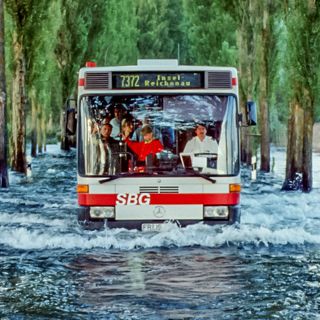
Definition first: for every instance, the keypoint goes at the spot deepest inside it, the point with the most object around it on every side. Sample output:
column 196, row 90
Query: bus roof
column 158, row 65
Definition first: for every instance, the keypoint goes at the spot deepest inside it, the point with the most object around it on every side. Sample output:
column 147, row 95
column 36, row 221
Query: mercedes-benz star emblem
column 159, row 211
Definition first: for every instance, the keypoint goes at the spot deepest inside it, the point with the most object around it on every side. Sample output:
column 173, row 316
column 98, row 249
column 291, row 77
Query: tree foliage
column 211, row 33
column 277, row 57
column 161, row 29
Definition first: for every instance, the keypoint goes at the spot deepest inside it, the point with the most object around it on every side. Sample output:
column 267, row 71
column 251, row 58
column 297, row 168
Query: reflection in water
column 174, row 282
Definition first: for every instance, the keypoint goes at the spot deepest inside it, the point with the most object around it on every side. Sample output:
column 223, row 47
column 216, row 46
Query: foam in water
column 269, row 217
column 197, row 235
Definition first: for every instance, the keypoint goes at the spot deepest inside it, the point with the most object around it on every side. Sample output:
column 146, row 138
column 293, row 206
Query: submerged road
column 267, row 268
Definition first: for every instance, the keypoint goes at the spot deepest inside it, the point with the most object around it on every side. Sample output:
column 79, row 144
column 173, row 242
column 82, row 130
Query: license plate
column 157, row 227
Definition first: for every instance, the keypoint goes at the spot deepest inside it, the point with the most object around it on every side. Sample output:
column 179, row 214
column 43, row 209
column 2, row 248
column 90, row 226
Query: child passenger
column 149, row 145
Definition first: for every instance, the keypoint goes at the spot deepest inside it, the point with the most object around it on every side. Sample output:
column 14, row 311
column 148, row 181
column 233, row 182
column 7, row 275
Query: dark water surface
column 267, row 268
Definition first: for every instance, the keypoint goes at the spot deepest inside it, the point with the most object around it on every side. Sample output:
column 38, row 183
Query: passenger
column 127, row 126
column 108, row 147
column 137, row 133
column 106, row 132
column 116, row 121
column 201, row 143
column 95, row 127
column 149, row 145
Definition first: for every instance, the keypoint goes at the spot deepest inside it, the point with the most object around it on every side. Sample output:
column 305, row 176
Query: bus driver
column 201, row 143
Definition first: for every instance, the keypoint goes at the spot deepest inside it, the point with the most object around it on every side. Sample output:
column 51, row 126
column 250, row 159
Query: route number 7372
column 130, row 81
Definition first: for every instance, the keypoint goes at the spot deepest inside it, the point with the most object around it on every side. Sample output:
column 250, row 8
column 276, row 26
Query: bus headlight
column 102, row 212
column 215, row 212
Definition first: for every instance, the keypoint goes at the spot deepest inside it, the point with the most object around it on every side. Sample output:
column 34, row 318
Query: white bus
column 186, row 172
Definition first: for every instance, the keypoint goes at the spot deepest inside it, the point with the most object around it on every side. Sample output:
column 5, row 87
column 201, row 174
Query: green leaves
column 211, row 34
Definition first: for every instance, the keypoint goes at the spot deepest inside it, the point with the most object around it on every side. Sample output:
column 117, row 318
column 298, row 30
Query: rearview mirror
column 251, row 113
column 71, row 123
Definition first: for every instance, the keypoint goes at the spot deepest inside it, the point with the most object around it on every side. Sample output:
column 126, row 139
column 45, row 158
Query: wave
column 30, row 220
column 197, row 235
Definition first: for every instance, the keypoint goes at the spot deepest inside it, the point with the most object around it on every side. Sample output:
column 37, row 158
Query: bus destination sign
column 157, row 80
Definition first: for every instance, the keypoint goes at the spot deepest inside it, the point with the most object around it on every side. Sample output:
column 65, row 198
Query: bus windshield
column 169, row 135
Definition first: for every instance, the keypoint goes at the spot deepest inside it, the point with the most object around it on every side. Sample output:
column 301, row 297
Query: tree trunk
column 4, row 180
column 39, row 129
column 18, row 108
column 44, row 132
column 263, row 96
column 34, row 122
column 307, row 151
column 243, row 83
column 293, row 179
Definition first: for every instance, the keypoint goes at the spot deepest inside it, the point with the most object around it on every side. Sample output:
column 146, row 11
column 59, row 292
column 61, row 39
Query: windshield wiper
column 110, row 178
column 125, row 175
column 202, row 176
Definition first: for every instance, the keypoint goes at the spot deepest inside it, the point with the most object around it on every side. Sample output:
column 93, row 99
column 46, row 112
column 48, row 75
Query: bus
column 181, row 180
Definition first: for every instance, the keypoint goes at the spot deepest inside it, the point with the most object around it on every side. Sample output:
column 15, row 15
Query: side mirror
column 251, row 113
column 71, row 123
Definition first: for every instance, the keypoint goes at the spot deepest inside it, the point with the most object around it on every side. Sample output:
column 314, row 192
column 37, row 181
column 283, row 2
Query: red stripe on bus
column 86, row 199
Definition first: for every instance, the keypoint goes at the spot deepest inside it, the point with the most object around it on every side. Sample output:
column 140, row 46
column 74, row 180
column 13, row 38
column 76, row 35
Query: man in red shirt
column 149, row 145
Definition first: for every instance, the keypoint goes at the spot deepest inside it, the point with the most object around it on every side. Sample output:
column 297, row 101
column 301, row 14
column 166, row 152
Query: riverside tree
column 42, row 70
column 242, row 12
column 4, row 181
column 19, row 11
column 303, row 55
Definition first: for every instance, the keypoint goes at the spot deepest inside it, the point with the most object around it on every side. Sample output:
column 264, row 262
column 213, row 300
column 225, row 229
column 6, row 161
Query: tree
column 33, row 43
column 115, row 43
column 4, row 181
column 160, row 25
column 263, row 63
column 266, row 19
column 42, row 69
column 19, row 11
column 303, row 28
column 242, row 11
column 211, row 33
column 72, row 42
column 304, row 81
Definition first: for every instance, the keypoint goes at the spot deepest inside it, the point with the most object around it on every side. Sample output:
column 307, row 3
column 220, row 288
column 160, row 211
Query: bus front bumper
column 87, row 222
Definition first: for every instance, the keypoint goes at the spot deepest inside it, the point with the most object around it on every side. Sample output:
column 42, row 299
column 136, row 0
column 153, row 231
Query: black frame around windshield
column 173, row 118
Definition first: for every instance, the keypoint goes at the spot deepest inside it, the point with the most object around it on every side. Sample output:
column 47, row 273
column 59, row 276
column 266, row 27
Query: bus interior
column 173, row 118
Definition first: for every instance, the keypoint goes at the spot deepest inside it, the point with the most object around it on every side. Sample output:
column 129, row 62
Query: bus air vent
column 169, row 189
column 149, row 189
column 219, row 80
column 161, row 189
column 97, row 80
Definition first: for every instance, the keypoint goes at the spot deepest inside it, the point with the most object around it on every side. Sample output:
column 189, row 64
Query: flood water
column 266, row 268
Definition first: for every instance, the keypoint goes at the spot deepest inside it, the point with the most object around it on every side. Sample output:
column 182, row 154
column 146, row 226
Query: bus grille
column 219, row 80
column 159, row 189
column 97, row 80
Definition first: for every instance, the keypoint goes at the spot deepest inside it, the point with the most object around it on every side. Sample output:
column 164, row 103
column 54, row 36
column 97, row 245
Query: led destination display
column 157, row 80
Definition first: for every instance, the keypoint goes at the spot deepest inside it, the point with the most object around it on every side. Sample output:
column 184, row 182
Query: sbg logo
column 133, row 199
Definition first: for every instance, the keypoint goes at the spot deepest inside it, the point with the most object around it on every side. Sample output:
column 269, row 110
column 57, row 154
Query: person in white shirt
column 201, row 143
